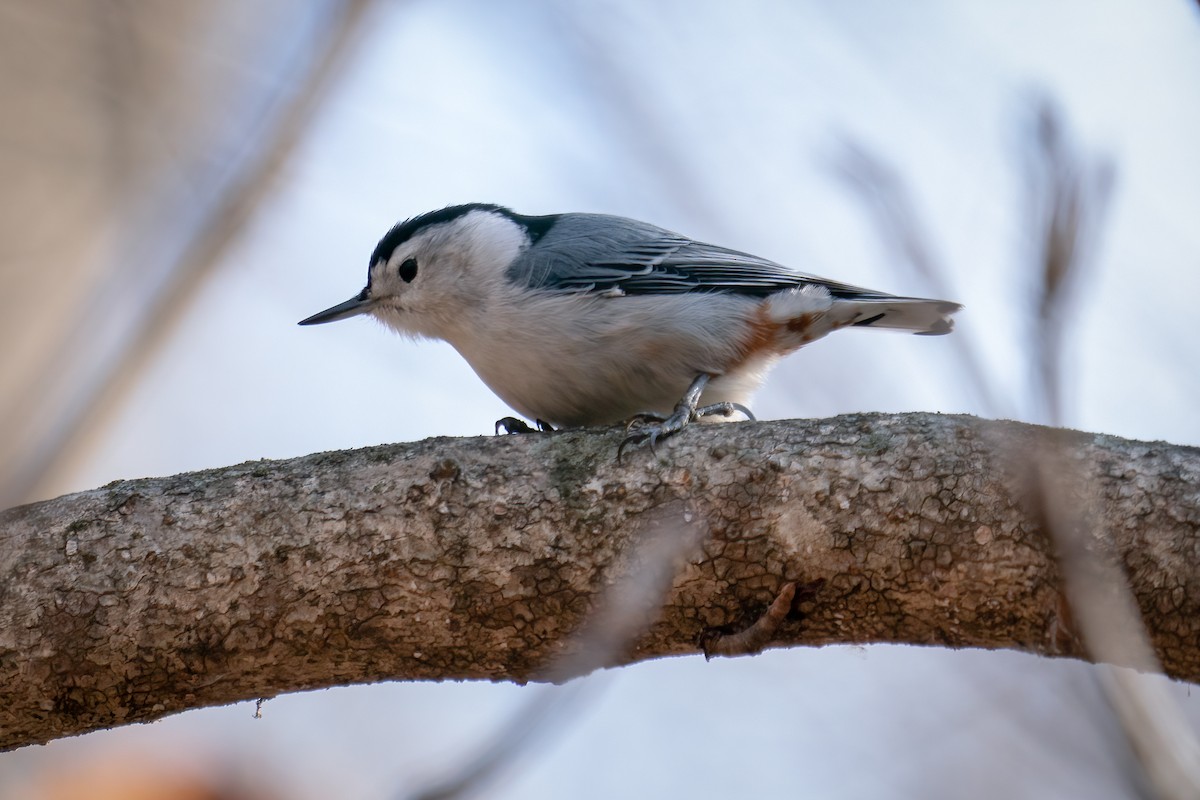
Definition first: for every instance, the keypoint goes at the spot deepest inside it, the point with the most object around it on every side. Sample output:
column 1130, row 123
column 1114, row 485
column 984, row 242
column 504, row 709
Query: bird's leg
column 514, row 425
column 688, row 409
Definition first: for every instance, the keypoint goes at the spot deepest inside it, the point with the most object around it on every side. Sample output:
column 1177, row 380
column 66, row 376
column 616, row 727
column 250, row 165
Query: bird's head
column 431, row 272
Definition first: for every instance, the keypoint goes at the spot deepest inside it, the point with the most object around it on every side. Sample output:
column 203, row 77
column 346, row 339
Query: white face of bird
column 429, row 275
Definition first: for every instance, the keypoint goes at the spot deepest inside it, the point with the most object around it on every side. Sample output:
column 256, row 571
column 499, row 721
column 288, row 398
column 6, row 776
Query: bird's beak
column 359, row 304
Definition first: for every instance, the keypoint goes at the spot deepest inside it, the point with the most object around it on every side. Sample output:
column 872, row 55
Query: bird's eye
column 408, row 270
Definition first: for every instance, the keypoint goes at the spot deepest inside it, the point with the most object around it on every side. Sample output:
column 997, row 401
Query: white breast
column 573, row 359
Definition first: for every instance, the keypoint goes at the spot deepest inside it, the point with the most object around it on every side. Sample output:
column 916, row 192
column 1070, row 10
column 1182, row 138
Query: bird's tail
column 919, row 315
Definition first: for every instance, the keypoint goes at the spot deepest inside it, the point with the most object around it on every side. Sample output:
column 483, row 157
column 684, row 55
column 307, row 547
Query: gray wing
column 594, row 253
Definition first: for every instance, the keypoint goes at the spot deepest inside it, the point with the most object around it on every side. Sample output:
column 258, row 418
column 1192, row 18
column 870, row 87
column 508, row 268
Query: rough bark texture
column 479, row 558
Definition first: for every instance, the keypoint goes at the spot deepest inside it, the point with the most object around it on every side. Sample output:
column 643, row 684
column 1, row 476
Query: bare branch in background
column 481, row 559
column 161, row 264
column 1069, row 193
column 885, row 196
column 537, row 717
column 668, row 536
column 622, row 100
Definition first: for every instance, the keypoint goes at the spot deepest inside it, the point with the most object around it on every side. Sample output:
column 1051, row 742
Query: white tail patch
column 807, row 313
column 927, row 317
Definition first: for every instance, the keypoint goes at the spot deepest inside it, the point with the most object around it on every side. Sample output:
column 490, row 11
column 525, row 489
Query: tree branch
column 479, row 558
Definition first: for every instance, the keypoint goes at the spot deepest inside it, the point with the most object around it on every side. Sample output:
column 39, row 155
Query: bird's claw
column 642, row 418
column 513, row 425
column 724, row 410
column 658, row 426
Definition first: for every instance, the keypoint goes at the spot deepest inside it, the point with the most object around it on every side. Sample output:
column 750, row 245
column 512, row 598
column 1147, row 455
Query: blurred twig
column 113, row 339
column 533, row 720
column 1069, row 193
column 668, row 536
column 884, row 194
column 617, row 91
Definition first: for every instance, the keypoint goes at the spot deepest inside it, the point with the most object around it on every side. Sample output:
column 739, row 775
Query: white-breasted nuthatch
column 589, row 319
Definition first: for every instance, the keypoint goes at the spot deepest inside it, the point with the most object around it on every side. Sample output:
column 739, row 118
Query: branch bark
column 479, row 559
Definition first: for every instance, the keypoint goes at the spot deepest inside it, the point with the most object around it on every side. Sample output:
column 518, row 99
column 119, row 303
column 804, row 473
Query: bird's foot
column 654, row 427
column 514, row 425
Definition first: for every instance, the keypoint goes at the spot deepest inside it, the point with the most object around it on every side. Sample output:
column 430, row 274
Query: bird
column 582, row 319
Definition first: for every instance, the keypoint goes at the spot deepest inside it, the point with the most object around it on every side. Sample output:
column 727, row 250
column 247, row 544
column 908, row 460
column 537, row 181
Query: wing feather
column 597, row 254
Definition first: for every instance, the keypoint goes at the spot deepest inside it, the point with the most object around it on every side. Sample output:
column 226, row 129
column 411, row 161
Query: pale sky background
column 720, row 121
